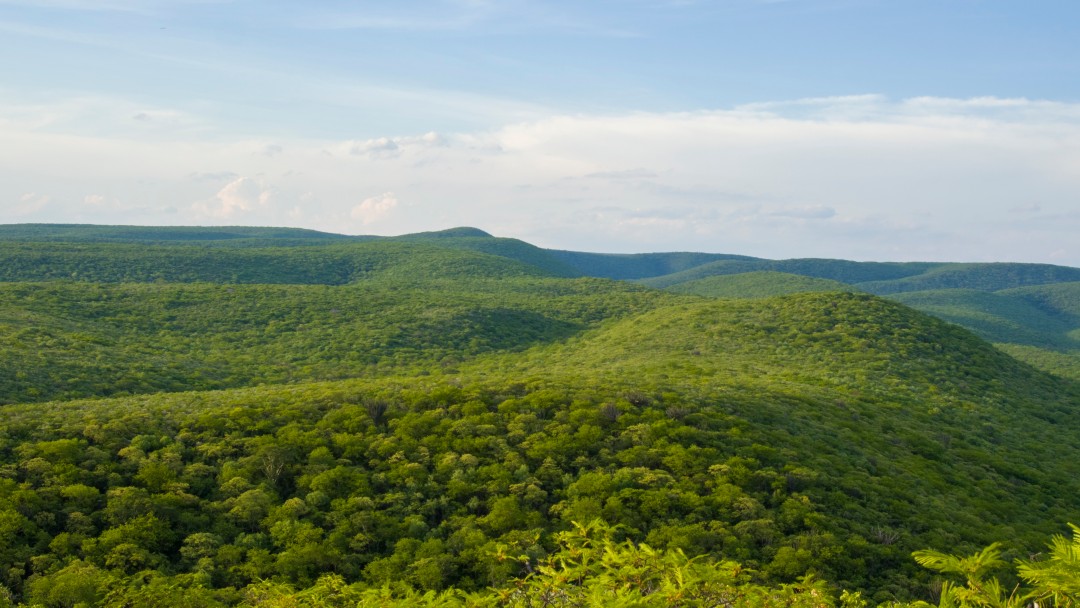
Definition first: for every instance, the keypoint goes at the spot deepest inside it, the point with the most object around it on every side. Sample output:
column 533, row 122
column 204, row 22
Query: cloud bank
column 860, row 177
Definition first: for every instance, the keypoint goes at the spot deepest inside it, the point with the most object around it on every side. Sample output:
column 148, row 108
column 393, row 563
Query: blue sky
column 863, row 129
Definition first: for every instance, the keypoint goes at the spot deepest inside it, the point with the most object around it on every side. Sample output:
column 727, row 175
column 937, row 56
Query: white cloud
column 29, row 203
column 393, row 147
column 100, row 115
column 860, row 176
column 374, row 208
column 238, row 197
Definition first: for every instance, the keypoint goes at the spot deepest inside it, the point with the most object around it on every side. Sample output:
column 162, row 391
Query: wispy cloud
column 393, row 147
column 906, row 179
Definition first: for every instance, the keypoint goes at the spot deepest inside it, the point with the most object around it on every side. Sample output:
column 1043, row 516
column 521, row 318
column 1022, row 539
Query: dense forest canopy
column 225, row 416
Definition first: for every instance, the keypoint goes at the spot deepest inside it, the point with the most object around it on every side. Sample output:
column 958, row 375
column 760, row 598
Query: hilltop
column 291, row 256
column 430, row 411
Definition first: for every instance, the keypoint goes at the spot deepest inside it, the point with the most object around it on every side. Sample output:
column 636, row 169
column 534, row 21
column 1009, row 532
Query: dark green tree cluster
column 431, row 420
column 439, row 484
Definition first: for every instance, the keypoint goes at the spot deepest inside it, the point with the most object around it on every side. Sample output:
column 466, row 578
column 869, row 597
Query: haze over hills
column 189, row 412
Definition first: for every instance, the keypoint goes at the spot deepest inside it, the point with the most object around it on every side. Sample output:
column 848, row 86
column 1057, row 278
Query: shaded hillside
column 884, row 278
column 758, row 284
column 1039, row 325
column 232, row 236
column 830, row 339
column 819, row 433
column 908, row 409
column 998, row 317
column 843, row 271
column 630, row 266
column 75, row 339
column 481, row 403
column 982, row 277
column 327, row 265
column 1062, row 299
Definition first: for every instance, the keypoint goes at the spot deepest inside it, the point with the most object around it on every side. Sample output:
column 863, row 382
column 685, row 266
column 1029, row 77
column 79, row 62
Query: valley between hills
column 282, row 417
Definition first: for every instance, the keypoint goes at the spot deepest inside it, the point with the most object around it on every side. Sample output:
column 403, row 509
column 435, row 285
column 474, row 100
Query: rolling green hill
column 989, row 299
column 326, row 265
column 637, row 265
column 826, row 433
column 513, row 249
column 885, row 278
column 76, row 339
column 997, row 316
column 1039, row 325
column 1062, row 299
column 843, row 271
column 196, row 423
column 758, row 284
column 232, row 236
column 982, row 277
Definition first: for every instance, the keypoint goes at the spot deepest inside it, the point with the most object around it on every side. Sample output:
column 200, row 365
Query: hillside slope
column 632, row 266
column 232, row 236
column 757, row 284
column 1039, row 325
column 982, row 277
column 325, row 265
column 844, row 271
column 825, row 433
column 429, row 410
column 76, row 339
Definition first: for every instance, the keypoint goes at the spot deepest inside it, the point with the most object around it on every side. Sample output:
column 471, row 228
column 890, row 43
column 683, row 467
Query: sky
column 859, row 129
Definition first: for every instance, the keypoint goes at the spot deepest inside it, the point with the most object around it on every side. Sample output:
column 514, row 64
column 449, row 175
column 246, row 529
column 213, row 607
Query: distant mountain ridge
column 979, row 296
column 661, row 270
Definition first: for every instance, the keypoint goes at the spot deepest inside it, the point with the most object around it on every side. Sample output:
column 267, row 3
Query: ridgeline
column 219, row 415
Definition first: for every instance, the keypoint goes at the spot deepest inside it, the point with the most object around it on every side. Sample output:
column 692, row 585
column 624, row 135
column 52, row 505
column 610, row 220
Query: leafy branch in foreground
column 1057, row 578
column 591, row 569
column 1055, row 581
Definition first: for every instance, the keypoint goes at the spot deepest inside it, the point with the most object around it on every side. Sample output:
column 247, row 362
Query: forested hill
column 189, row 422
column 1043, row 334
column 26, row 245
column 231, row 235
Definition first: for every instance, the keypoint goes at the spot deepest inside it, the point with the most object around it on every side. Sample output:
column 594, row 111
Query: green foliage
column 1038, row 325
column 759, row 284
column 998, row 317
column 231, row 236
column 763, row 451
column 324, row 265
column 512, row 249
column 1054, row 580
column 422, row 420
column 843, row 271
column 982, row 277
column 590, row 568
column 633, row 266
column 885, row 278
column 70, row 340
